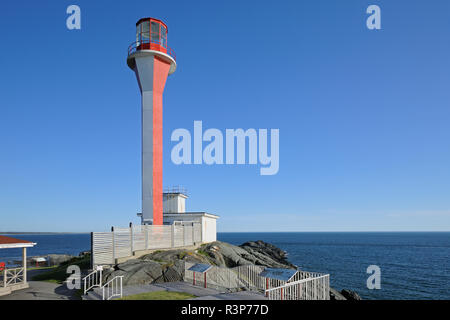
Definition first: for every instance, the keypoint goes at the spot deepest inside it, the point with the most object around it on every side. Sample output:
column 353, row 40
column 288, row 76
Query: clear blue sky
column 363, row 115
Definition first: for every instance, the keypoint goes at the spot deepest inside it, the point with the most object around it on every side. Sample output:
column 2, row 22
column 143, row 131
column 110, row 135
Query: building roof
column 154, row 19
column 9, row 242
column 187, row 214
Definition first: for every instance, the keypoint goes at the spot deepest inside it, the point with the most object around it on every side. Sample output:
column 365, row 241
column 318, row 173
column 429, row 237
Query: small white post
column 201, row 230
column 173, row 235
column 131, row 239
column 146, row 236
column 113, row 247
column 24, row 259
column 121, row 287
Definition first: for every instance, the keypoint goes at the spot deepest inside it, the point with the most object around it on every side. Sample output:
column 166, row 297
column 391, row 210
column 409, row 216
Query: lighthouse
column 152, row 61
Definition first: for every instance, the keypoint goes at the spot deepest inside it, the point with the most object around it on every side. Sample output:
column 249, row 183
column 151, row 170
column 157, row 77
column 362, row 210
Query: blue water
column 414, row 265
column 71, row 244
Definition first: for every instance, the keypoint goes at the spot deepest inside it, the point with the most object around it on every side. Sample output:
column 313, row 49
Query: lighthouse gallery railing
column 144, row 44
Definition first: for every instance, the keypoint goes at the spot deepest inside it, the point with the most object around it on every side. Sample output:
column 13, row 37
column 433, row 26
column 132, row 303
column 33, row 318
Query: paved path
column 41, row 290
column 199, row 292
column 241, row 295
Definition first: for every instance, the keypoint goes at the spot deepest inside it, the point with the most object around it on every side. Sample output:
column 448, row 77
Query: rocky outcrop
column 57, row 259
column 336, row 295
column 350, row 295
column 258, row 253
column 168, row 265
column 84, row 253
column 137, row 271
column 49, row 260
column 267, row 254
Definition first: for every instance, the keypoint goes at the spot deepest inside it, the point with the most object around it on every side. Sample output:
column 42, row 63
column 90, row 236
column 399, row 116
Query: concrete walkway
column 200, row 292
column 41, row 290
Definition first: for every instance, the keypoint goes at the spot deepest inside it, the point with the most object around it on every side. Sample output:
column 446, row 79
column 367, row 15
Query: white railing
column 113, row 288
column 123, row 242
column 93, row 279
column 317, row 288
column 228, row 279
column 12, row 277
column 303, row 286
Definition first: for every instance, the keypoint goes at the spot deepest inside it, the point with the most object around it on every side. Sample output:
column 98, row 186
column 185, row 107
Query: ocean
column 414, row 265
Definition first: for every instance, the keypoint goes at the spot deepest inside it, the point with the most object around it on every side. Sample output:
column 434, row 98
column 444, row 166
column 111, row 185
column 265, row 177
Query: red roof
column 9, row 240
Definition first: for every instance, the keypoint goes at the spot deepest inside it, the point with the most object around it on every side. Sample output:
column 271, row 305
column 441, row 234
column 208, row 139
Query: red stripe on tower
column 160, row 73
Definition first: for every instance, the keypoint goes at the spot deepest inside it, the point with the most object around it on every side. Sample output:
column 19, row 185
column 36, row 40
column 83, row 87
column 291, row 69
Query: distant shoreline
column 17, row 233
column 286, row 232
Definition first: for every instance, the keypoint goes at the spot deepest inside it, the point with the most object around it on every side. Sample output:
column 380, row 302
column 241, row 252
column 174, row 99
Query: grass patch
column 40, row 268
column 203, row 253
column 78, row 294
column 59, row 274
column 182, row 255
column 159, row 295
column 52, row 281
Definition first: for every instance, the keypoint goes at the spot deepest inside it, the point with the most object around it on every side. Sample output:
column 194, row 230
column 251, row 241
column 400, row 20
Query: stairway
column 94, row 294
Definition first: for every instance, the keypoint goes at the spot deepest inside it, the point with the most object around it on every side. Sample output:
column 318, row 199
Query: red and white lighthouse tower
column 152, row 61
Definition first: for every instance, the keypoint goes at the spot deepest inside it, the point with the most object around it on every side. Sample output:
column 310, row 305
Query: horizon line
column 329, row 231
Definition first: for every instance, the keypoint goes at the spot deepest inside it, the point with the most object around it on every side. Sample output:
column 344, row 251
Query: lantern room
column 151, row 34
column 151, row 40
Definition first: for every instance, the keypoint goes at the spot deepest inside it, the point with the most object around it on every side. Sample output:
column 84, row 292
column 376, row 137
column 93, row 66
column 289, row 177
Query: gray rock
column 136, row 271
column 57, row 259
column 51, row 260
column 268, row 253
column 336, row 295
column 259, row 253
column 350, row 295
column 84, row 253
column 168, row 265
column 171, row 274
column 226, row 255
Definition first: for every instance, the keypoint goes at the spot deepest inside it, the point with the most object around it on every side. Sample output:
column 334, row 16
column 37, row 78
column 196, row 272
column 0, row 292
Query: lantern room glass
column 151, row 32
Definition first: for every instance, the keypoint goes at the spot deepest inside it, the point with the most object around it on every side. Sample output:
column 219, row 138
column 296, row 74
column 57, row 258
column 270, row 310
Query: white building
column 174, row 211
column 207, row 220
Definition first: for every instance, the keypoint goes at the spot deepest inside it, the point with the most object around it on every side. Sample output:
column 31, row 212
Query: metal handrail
column 134, row 47
column 111, row 288
column 313, row 288
column 175, row 189
column 93, row 279
column 288, row 284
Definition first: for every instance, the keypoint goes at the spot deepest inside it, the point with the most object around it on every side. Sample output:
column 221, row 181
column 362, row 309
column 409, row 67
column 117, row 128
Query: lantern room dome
column 151, row 39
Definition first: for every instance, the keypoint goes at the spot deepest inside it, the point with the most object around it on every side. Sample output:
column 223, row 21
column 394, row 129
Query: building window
column 163, row 36
column 155, row 32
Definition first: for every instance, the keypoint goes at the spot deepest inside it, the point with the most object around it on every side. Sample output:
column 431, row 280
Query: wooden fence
column 106, row 247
